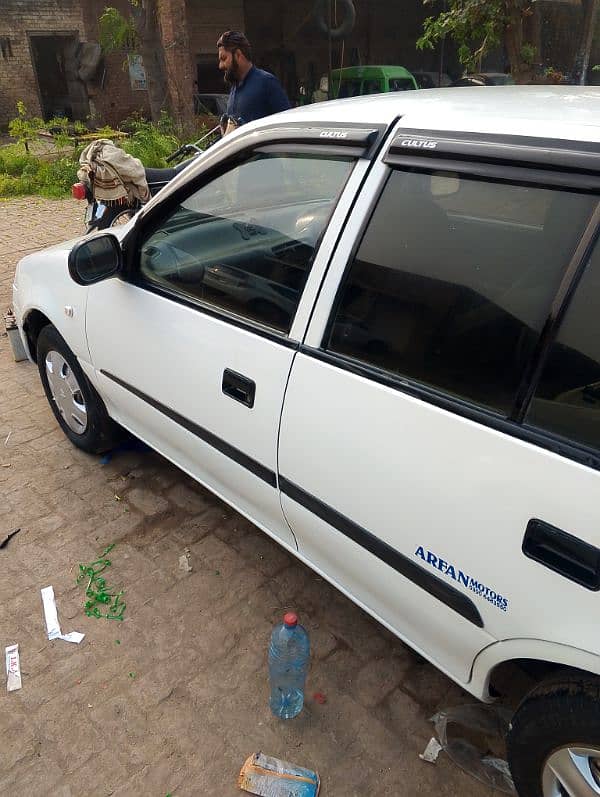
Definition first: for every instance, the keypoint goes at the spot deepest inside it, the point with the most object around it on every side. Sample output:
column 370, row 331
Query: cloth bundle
column 116, row 177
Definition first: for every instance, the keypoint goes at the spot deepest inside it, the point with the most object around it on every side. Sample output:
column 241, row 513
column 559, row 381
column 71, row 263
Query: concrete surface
column 173, row 700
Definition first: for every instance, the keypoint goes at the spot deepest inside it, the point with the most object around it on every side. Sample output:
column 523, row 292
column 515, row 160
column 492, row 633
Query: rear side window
column 453, row 281
column 567, row 400
column 401, row 84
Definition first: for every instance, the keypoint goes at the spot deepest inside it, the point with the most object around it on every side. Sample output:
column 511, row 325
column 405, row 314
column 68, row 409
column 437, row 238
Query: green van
column 353, row 81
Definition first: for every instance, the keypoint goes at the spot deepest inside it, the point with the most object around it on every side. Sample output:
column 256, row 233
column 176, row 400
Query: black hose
column 344, row 28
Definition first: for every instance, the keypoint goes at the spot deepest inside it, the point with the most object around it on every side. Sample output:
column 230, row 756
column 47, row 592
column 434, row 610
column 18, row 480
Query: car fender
column 539, row 649
column 42, row 283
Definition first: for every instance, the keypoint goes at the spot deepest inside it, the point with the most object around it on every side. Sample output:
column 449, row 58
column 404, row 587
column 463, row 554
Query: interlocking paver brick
column 196, row 702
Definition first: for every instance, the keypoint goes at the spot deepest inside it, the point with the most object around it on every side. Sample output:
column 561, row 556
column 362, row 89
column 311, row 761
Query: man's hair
column 233, row 40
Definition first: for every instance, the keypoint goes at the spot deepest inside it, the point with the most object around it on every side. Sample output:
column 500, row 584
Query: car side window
column 245, row 241
column 567, row 399
column 453, row 281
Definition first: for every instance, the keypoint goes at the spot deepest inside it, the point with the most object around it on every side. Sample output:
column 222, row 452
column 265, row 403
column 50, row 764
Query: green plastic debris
column 99, row 596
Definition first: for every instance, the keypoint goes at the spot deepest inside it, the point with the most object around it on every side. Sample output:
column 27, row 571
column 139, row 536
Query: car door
column 192, row 350
column 414, row 481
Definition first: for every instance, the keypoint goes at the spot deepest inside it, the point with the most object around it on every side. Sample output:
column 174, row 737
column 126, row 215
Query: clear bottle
column 289, row 656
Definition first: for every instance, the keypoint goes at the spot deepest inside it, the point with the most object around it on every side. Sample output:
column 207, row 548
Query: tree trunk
column 521, row 71
column 150, row 46
column 582, row 59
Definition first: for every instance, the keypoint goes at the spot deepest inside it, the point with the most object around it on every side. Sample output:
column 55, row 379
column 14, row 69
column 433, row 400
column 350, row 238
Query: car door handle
column 567, row 555
column 239, row 387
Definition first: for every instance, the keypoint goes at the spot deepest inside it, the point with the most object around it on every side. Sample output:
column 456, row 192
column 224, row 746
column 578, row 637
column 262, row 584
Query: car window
column 401, row 84
column 453, row 281
column 372, row 87
column 245, row 241
column 349, row 88
column 567, row 400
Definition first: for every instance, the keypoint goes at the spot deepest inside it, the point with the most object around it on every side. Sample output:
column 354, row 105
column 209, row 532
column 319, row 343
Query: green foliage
column 116, row 31
column 477, row 26
column 22, row 174
column 24, row 127
column 528, row 53
column 149, row 142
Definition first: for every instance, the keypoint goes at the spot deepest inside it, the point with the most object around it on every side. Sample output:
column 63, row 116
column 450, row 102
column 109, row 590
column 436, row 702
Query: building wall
column 111, row 93
column 17, row 75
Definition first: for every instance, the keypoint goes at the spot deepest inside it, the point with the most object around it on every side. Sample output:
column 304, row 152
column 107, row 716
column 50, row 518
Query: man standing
column 254, row 92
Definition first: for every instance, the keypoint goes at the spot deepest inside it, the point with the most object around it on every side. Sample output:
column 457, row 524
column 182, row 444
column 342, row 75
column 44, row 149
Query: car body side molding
column 257, row 468
column 446, row 593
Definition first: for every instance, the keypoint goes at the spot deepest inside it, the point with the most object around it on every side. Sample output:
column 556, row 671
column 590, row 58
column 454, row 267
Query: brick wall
column 17, row 19
column 111, row 93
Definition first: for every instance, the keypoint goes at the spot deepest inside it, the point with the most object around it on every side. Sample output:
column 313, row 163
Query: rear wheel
column 76, row 405
column 554, row 739
column 124, row 217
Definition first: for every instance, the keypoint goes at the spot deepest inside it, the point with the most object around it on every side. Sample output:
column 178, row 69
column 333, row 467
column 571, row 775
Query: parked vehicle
column 371, row 327
column 100, row 216
column 431, row 80
column 485, row 79
column 353, row 81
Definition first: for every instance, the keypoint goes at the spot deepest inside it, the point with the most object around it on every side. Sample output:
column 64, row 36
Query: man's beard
column 231, row 75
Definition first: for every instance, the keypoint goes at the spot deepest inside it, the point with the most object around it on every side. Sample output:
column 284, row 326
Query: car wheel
column 124, row 217
column 77, row 406
column 554, row 739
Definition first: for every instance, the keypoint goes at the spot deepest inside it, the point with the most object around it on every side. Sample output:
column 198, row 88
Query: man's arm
column 278, row 100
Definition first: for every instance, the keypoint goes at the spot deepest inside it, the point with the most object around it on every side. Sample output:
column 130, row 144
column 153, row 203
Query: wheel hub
column 572, row 772
column 66, row 392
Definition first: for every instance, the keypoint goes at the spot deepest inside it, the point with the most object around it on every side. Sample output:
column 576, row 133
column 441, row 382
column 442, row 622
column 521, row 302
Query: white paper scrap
column 431, row 752
column 72, row 636
column 51, row 615
column 13, row 668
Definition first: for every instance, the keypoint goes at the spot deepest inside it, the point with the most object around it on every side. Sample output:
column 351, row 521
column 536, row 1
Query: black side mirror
column 95, row 259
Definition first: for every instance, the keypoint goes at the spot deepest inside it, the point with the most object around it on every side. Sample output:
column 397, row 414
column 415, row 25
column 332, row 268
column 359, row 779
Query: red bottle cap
column 290, row 619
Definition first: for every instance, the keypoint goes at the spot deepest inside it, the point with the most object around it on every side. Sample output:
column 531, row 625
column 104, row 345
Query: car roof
column 564, row 112
column 371, row 70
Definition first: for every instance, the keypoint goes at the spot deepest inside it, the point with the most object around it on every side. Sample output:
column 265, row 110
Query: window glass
column 567, row 400
column 349, row 88
column 372, row 87
column 454, row 279
column 245, row 241
column 401, row 84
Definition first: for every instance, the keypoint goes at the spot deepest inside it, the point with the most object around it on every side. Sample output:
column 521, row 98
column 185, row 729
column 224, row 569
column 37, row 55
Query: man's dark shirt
column 258, row 95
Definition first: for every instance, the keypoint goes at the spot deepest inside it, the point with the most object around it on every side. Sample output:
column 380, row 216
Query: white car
column 371, row 327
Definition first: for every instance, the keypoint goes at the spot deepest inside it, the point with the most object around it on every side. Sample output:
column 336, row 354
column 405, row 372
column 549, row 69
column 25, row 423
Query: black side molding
column 445, row 593
column 257, row 468
column 563, row 553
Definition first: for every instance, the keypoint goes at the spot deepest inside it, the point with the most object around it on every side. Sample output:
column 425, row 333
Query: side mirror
column 95, row 259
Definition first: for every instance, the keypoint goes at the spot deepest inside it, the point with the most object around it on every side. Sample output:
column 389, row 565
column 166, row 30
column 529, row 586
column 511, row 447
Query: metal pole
column 329, row 24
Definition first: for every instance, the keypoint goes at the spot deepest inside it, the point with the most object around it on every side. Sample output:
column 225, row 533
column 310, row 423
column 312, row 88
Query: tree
column 139, row 34
column 478, row 26
column 582, row 58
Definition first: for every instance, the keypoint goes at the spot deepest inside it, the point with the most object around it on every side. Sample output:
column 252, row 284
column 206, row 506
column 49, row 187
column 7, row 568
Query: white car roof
column 565, row 112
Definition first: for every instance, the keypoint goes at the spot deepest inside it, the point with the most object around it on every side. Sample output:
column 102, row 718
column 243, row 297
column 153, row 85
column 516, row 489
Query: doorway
column 55, row 62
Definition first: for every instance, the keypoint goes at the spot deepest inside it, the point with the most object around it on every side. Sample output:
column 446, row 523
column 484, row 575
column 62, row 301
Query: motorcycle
column 99, row 216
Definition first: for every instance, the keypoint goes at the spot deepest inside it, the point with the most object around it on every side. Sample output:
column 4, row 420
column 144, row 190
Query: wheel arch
column 33, row 323
column 545, row 657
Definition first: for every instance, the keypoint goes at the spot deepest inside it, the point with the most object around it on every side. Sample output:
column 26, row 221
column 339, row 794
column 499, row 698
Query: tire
column 555, row 735
column 123, row 217
column 345, row 28
column 76, row 405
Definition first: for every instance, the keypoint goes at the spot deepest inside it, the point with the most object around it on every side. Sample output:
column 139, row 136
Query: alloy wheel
column 572, row 772
column 66, row 392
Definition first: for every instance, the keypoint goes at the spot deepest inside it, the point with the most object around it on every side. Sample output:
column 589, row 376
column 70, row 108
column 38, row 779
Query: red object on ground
column 290, row 619
column 320, row 698
column 78, row 191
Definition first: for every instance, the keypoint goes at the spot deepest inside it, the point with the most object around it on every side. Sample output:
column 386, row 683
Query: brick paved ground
column 175, row 698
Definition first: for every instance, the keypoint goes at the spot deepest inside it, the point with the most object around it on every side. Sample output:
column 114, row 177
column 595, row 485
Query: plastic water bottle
column 289, row 655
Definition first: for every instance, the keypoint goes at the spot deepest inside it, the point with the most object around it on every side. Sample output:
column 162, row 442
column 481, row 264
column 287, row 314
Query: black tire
column 100, row 433
column 123, row 217
column 345, row 28
column 560, row 713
